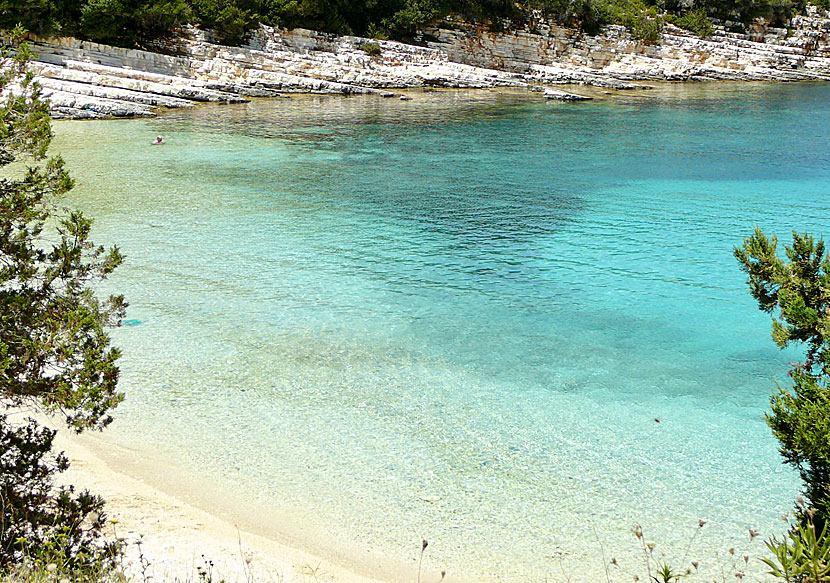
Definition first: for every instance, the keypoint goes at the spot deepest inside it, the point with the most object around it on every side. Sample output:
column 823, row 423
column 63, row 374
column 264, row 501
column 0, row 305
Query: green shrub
column 802, row 555
column 405, row 22
column 126, row 22
column 230, row 21
column 585, row 14
column 159, row 18
column 695, row 21
column 371, row 49
column 778, row 12
column 104, row 21
column 377, row 32
column 797, row 292
column 43, row 523
column 35, row 15
column 647, row 29
column 325, row 15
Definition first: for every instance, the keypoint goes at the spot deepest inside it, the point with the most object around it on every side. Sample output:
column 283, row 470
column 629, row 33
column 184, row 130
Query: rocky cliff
column 85, row 79
column 552, row 54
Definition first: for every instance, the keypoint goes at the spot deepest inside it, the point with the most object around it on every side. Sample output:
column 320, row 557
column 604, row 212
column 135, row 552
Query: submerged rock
column 564, row 95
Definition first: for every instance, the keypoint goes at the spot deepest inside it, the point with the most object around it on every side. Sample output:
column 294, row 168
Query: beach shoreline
column 169, row 537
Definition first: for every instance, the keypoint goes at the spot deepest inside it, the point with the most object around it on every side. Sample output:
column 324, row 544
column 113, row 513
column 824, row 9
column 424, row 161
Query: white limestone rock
column 89, row 79
column 73, row 105
column 113, row 93
column 564, row 95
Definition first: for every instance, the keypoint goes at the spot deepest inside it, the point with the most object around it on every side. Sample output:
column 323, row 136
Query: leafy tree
column 231, row 20
column 779, row 12
column 127, row 22
column 796, row 290
column 54, row 353
column 33, row 14
column 107, row 21
column 696, row 21
column 159, row 18
column 42, row 17
column 586, row 14
column 413, row 14
column 315, row 14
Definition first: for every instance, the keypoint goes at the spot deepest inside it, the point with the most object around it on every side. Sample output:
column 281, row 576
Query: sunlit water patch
column 512, row 328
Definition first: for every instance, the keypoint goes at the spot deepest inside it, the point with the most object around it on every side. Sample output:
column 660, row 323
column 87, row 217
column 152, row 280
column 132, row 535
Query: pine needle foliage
column 795, row 289
column 55, row 355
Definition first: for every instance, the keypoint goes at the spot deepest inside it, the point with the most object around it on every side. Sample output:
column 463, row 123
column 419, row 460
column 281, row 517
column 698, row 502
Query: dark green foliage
column 585, row 14
column 103, row 21
column 54, row 352
column 159, row 18
column 135, row 22
column 778, row 12
column 647, row 28
column 231, row 20
column 127, row 22
column 800, row 420
column 41, row 16
column 53, row 347
column 797, row 292
column 372, row 49
column 696, row 21
column 640, row 17
column 42, row 523
column 375, row 18
column 410, row 15
column 496, row 11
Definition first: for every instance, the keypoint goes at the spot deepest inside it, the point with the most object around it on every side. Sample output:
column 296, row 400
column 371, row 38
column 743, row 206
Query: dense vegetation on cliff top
column 133, row 22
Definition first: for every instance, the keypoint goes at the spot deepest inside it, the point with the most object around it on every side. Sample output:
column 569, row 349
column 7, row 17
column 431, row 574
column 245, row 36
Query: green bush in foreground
column 802, row 555
column 54, row 352
column 797, row 292
column 43, row 525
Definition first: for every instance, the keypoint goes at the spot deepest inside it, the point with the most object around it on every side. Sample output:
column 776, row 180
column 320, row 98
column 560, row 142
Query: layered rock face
column 85, row 79
column 552, row 54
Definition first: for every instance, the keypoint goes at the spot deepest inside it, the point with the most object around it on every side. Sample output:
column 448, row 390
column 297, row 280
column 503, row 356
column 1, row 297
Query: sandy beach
column 168, row 539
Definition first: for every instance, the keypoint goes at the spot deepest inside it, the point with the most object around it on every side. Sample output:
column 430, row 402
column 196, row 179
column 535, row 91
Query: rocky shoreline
column 89, row 80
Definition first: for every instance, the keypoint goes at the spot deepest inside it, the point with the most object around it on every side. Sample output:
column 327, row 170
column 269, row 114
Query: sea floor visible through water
column 510, row 327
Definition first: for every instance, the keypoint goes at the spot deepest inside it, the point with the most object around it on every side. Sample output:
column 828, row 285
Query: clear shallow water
column 457, row 318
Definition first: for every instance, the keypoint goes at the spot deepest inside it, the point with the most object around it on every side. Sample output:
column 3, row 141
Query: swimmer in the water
column 158, row 141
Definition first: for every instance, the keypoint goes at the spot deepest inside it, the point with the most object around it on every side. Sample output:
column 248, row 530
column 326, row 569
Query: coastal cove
column 512, row 328
column 85, row 79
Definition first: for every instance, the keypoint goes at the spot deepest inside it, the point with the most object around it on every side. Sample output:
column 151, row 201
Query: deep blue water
column 458, row 317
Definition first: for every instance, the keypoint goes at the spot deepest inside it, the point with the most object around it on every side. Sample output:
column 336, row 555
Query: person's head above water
column 158, row 140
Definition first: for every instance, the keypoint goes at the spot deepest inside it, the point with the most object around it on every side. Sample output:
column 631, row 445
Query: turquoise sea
column 512, row 328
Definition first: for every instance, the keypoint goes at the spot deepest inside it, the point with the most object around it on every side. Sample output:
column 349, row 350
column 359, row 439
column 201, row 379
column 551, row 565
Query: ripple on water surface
column 460, row 317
